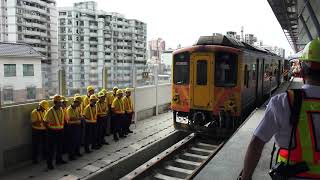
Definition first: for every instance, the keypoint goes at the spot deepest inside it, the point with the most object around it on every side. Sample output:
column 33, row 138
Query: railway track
column 182, row 161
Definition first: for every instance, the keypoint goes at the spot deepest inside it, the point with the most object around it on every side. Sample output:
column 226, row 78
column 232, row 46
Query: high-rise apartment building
column 250, row 39
column 90, row 39
column 33, row 22
column 233, row 34
column 156, row 48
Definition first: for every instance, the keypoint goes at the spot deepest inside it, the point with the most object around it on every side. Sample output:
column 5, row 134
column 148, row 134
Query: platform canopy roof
column 287, row 14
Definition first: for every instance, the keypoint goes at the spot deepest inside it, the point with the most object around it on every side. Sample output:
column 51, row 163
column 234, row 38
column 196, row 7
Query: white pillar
column 156, row 68
column 134, row 81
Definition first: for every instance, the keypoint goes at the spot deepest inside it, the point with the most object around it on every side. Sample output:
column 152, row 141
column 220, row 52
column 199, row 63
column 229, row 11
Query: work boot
column 35, row 161
column 105, row 143
column 50, row 166
column 129, row 131
column 72, row 157
column 60, row 162
column 79, row 154
column 115, row 137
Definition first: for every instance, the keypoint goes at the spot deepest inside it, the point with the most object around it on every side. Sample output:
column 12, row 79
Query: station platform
column 145, row 133
column 228, row 162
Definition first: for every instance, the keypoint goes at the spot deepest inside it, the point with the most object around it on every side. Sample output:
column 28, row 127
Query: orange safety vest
column 93, row 116
column 74, row 115
column 120, row 106
column 100, row 109
column 39, row 125
column 127, row 104
column 307, row 147
column 58, row 121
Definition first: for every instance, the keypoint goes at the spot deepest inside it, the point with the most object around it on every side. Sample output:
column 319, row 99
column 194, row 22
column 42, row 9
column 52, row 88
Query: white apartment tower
column 90, row 39
column 33, row 22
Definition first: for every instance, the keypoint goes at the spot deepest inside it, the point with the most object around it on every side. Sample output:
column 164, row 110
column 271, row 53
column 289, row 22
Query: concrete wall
column 15, row 124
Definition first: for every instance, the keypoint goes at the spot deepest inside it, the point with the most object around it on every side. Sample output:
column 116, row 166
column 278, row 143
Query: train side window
column 226, row 69
column 201, row 72
column 254, row 72
column 246, row 76
column 181, row 68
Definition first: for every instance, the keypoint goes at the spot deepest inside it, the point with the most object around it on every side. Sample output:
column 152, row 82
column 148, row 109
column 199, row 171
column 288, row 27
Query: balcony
column 107, row 56
column 93, row 57
column 93, row 34
column 107, row 43
column 36, row 41
column 93, row 42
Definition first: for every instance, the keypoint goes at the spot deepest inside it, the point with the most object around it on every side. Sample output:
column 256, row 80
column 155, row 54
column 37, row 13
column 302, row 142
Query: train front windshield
column 181, row 68
column 225, row 69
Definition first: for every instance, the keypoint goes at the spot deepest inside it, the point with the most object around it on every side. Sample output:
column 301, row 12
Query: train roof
column 222, row 40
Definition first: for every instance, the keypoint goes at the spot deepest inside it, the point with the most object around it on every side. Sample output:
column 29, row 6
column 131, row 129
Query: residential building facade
column 33, row 22
column 155, row 48
column 250, row 39
column 20, row 73
column 91, row 39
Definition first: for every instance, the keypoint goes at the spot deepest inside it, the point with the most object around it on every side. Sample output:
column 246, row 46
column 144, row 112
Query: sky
column 184, row 21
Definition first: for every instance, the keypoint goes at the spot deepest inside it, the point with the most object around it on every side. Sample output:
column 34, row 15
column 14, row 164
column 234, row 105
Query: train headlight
column 176, row 99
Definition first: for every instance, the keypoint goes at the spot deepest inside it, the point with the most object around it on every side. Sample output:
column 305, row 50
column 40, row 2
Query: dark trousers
column 112, row 119
column 118, row 123
column 65, row 138
column 39, row 143
column 90, row 135
column 74, row 139
column 101, row 129
column 128, row 121
column 55, row 145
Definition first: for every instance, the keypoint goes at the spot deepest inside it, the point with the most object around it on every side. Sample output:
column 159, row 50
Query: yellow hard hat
column 115, row 88
column 119, row 91
column 64, row 99
column 77, row 95
column 77, row 98
column 90, row 88
column 128, row 90
column 93, row 97
column 101, row 94
column 311, row 52
column 57, row 98
column 104, row 91
column 44, row 104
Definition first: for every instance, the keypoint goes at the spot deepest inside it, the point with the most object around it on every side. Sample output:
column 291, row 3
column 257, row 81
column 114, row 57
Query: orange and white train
column 218, row 81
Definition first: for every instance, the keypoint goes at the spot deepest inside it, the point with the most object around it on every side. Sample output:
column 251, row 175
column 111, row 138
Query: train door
column 202, row 80
column 260, row 79
column 257, row 82
column 279, row 72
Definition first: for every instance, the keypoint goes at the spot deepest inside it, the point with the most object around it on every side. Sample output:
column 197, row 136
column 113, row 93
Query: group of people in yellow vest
column 61, row 128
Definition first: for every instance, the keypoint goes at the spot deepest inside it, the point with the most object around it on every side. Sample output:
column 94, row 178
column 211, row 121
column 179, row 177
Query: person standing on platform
column 118, row 115
column 102, row 109
column 107, row 119
column 90, row 115
column 128, row 108
column 74, row 132
column 39, row 131
column 86, row 98
column 54, row 122
column 66, row 124
column 110, row 101
column 293, row 118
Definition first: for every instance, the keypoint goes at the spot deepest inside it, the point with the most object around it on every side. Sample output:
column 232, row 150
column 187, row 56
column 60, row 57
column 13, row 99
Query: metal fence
column 42, row 82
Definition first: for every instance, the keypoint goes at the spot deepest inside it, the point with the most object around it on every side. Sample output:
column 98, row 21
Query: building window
column 70, row 61
column 8, row 94
column 9, row 70
column 81, row 61
column 28, row 70
column 82, row 76
column 31, row 92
